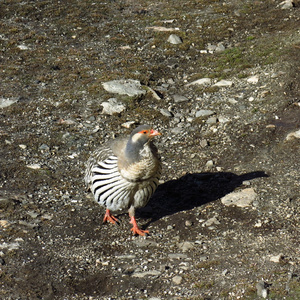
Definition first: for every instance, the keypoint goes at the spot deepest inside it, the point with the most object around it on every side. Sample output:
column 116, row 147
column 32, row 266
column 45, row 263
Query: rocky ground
column 224, row 223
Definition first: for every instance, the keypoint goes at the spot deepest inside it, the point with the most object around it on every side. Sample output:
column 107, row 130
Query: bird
column 124, row 173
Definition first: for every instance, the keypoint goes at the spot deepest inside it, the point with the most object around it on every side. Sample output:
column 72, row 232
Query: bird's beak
column 154, row 133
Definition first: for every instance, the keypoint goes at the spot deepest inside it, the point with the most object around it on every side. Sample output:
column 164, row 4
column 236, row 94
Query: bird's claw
column 108, row 217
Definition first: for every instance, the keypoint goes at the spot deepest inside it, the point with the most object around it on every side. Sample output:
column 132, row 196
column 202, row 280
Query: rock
column 211, row 120
column 220, row 48
column 292, row 135
column 112, row 106
column 128, row 124
column 147, row 273
column 177, row 279
column 224, row 83
column 177, row 130
column 276, row 258
column 287, row 4
column 44, row 147
column 261, row 289
column 34, row 166
column 211, row 221
column 174, row 39
column 201, row 81
column 177, row 256
column 241, row 198
column 185, row 246
column 253, row 79
column 5, row 102
column 209, row 164
column 179, row 98
column 204, row 113
column 188, row 223
column 211, row 47
column 166, row 113
column 23, row 47
column 203, row 143
column 129, row 87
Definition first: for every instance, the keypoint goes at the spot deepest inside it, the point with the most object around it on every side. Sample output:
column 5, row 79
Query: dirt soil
column 54, row 57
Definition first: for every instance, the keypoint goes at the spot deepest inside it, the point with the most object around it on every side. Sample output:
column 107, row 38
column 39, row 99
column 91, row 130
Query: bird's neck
column 136, row 151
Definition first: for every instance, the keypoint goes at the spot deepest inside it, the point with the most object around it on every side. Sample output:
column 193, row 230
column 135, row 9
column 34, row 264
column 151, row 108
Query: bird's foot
column 135, row 229
column 109, row 217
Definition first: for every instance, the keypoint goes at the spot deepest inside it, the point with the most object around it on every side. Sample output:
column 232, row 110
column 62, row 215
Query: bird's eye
column 145, row 132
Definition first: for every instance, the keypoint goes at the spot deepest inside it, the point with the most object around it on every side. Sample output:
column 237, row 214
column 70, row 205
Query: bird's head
column 139, row 137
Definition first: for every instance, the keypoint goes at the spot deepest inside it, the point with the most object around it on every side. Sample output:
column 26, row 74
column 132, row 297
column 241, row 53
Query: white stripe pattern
column 116, row 193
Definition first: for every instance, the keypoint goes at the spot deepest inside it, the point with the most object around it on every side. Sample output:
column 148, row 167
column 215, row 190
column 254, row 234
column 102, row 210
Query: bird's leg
column 135, row 229
column 109, row 217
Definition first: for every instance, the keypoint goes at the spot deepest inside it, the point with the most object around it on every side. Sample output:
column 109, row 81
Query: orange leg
column 135, row 229
column 109, row 217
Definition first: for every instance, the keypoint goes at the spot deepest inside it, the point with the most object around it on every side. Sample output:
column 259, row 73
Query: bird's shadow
column 192, row 190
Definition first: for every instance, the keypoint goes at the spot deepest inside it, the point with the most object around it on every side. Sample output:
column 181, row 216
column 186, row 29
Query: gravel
column 226, row 99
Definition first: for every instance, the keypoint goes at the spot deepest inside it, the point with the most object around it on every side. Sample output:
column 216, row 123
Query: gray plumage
column 124, row 173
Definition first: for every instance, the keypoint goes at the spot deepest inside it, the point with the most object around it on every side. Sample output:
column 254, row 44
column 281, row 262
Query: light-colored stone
column 241, row 198
column 253, row 79
column 204, row 113
column 276, row 258
column 112, row 106
column 5, row 102
column 201, row 81
column 186, row 246
column 147, row 273
column 129, row 87
column 179, row 98
column 224, row 83
column 174, row 39
column 34, row 166
column 165, row 112
column 293, row 135
column 211, row 221
column 177, row 279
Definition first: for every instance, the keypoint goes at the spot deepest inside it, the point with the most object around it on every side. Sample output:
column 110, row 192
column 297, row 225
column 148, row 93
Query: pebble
column 287, row 4
column 201, row 81
column 276, row 258
column 177, row 279
column 147, row 273
column 292, row 135
column 128, row 124
column 177, row 130
column 23, row 47
column 177, row 256
column 253, row 79
column 185, row 246
column 34, row 166
column 220, row 48
column 179, row 98
column 174, row 39
column 22, row 146
column 5, row 102
column 261, row 289
column 129, row 87
column 166, row 113
column 44, row 147
column 209, row 164
column 112, row 106
column 188, row 223
column 241, row 198
column 204, row 113
column 203, row 143
column 224, row 83
column 211, row 120
column 211, row 221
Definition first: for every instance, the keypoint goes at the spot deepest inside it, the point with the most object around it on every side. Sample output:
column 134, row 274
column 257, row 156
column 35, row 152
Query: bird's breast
column 142, row 170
